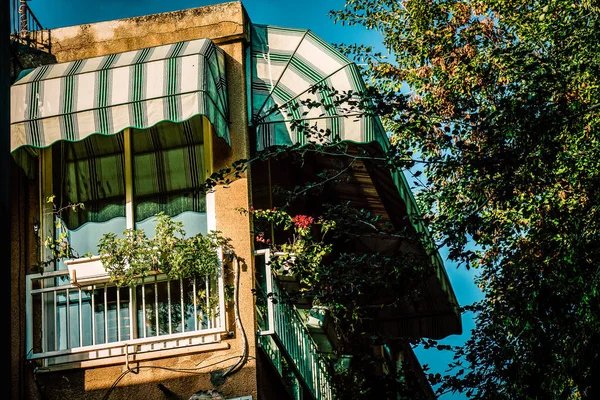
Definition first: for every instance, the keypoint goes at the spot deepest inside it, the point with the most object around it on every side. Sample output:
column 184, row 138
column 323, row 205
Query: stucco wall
column 225, row 24
column 221, row 23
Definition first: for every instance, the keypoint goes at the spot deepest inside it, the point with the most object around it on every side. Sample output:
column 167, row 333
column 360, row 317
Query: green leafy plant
column 499, row 101
column 133, row 255
column 305, row 249
column 343, row 284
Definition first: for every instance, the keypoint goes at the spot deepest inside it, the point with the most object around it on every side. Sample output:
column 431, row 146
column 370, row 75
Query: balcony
column 31, row 44
column 82, row 322
column 286, row 339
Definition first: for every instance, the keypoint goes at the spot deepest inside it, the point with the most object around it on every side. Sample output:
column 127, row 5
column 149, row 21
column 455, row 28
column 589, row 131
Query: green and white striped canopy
column 137, row 89
column 291, row 66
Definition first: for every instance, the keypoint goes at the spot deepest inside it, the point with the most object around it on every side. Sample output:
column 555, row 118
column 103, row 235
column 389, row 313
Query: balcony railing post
column 221, row 287
column 23, row 28
column 29, row 316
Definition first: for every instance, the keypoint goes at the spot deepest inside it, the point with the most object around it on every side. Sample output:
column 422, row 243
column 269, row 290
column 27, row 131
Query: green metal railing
column 283, row 334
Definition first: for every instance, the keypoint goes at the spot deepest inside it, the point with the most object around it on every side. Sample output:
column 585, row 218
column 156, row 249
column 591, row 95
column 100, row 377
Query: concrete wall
column 221, row 23
column 226, row 25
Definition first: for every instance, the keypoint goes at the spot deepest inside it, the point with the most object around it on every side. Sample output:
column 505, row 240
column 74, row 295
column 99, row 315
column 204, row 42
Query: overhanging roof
column 104, row 95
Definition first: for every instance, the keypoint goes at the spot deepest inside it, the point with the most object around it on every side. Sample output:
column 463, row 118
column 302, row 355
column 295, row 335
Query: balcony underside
column 434, row 312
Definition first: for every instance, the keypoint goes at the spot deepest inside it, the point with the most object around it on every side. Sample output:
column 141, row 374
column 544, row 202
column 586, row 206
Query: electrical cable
column 236, row 308
column 183, row 370
column 233, row 369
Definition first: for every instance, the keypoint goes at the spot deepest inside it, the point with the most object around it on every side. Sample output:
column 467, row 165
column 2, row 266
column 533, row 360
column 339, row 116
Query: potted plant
column 318, row 318
column 296, row 260
column 135, row 255
column 342, row 363
column 319, row 322
column 86, row 270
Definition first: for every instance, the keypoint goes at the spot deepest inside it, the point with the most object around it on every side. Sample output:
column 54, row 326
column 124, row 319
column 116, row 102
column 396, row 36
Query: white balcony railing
column 282, row 333
column 68, row 322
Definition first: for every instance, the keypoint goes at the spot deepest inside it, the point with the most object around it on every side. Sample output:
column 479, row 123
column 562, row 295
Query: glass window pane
column 124, row 319
column 139, row 312
column 49, row 319
column 112, row 315
column 213, row 301
column 176, row 309
column 206, row 302
column 61, row 320
column 163, row 308
column 150, row 304
column 86, row 317
column 74, row 319
column 189, row 298
column 100, row 315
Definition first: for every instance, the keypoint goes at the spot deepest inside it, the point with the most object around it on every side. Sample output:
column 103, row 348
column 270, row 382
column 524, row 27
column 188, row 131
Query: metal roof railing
column 25, row 28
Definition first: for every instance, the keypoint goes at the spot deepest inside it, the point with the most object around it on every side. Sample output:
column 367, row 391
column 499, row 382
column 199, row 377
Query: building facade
column 126, row 120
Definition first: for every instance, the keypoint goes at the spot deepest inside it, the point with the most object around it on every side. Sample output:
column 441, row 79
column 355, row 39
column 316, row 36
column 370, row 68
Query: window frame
column 47, row 223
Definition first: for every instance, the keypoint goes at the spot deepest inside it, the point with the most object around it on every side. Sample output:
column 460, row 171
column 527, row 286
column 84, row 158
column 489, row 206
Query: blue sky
column 305, row 14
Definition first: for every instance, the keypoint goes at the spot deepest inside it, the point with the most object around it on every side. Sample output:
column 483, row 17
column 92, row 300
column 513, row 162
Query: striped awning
column 291, row 67
column 135, row 89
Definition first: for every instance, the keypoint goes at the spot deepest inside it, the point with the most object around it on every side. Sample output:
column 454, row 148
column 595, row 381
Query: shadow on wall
column 24, row 58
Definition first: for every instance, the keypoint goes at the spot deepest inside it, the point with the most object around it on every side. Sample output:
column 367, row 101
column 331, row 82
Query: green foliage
column 302, row 253
column 358, row 382
column 350, row 283
column 135, row 255
column 58, row 245
column 500, row 101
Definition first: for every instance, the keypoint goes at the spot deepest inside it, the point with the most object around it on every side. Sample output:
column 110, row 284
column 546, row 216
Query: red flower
column 302, row 221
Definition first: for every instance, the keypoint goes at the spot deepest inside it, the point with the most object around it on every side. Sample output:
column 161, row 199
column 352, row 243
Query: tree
column 502, row 109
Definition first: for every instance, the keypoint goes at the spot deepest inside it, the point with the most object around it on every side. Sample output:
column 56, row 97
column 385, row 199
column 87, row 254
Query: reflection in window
column 168, row 172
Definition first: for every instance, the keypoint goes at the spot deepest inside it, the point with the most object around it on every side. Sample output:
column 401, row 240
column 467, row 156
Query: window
column 123, row 181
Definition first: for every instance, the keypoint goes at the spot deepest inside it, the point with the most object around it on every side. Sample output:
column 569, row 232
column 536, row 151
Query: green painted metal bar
column 292, row 338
